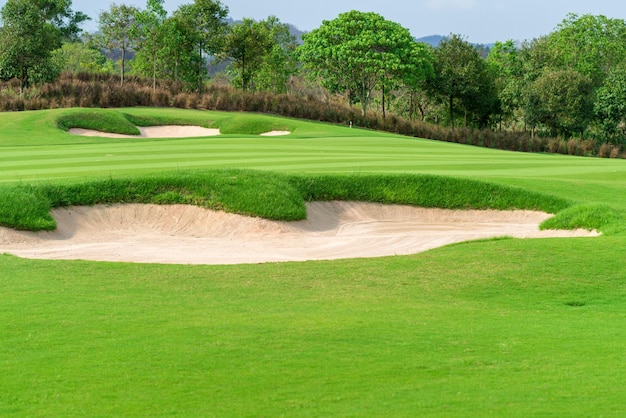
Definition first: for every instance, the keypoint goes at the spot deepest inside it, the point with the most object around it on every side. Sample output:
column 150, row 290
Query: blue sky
column 481, row 21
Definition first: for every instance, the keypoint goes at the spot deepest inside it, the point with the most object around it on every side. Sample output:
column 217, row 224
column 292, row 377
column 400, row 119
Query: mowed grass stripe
column 394, row 154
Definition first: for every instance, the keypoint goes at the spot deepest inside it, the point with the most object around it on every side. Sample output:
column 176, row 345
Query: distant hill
column 435, row 40
column 432, row 40
column 296, row 32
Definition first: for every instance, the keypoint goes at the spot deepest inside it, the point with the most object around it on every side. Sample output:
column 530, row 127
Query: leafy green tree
column 76, row 57
column 412, row 95
column 149, row 35
column 592, row 45
column 279, row 63
column 206, row 28
column 246, row 45
column 505, row 63
column 357, row 52
column 59, row 14
column 31, row 30
column 462, row 76
column 610, row 107
column 117, row 29
column 180, row 59
column 562, row 100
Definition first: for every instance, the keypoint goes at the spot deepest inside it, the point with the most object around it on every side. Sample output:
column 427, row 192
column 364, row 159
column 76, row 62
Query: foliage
column 77, row 57
column 279, row 63
column 203, row 25
column 246, row 44
column 561, row 100
column 461, row 75
column 59, row 14
column 357, row 51
column 591, row 45
column 31, row 30
column 610, row 107
column 149, row 34
column 116, row 27
column 504, row 61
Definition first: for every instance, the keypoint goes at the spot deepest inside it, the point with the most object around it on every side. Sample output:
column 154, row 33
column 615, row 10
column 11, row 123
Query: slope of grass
column 503, row 328
column 496, row 327
column 265, row 194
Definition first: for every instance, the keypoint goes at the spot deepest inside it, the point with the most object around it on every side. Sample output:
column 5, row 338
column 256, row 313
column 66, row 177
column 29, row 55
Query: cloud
column 451, row 4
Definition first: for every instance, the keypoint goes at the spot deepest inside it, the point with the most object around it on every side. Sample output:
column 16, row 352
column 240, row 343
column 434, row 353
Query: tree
column 279, row 63
column 31, row 30
column 562, row 100
column 206, row 21
column 358, row 52
column 591, row 45
column 610, row 107
column 505, row 63
column 461, row 76
column 180, row 59
column 149, row 35
column 116, row 27
column 59, row 14
column 75, row 57
column 261, row 54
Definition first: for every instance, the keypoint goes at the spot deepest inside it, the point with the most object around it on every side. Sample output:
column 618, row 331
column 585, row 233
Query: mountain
column 432, row 40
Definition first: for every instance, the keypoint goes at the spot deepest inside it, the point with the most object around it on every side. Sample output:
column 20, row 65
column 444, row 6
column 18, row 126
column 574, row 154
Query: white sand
column 190, row 235
column 166, row 131
column 276, row 133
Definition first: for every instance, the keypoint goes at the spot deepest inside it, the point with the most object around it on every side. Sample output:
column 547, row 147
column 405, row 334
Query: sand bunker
column 276, row 133
column 190, row 235
column 166, row 131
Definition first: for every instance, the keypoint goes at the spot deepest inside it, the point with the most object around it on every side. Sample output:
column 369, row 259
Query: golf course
column 493, row 326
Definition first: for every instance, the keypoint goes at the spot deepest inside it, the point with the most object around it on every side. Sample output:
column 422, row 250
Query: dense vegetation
column 571, row 98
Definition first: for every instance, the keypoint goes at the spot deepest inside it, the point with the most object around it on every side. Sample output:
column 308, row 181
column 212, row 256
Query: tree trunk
column 451, row 112
column 123, row 66
column 384, row 115
column 243, row 73
column 154, row 72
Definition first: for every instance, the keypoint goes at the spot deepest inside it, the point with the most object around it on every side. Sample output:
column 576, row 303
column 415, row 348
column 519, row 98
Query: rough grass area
column 264, row 194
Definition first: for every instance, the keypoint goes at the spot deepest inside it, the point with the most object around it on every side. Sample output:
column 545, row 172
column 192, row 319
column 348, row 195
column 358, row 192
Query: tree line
column 570, row 83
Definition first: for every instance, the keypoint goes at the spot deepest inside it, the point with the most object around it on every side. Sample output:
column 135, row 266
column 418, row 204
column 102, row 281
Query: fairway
column 499, row 327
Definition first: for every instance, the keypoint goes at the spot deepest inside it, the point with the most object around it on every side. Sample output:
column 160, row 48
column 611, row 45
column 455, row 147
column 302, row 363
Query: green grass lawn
column 498, row 327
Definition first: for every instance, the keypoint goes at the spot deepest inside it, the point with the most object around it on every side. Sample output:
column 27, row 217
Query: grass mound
column 426, row 191
column 588, row 216
column 264, row 194
column 244, row 124
column 103, row 121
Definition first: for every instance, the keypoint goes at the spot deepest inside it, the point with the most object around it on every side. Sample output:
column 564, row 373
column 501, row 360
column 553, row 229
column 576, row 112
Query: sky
column 479, row 21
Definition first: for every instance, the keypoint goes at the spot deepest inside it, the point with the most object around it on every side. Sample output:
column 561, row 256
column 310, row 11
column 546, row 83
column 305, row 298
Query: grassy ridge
column 264, row 194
